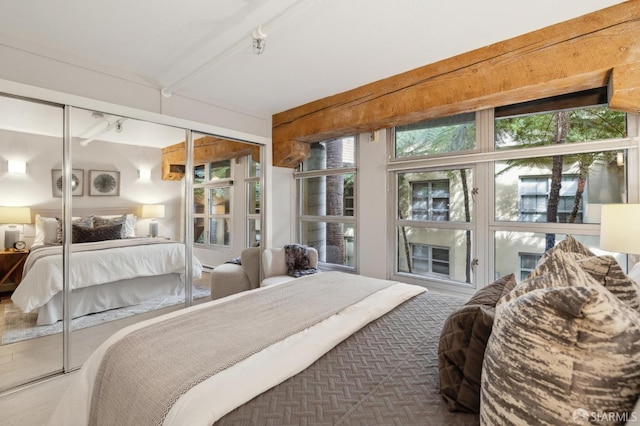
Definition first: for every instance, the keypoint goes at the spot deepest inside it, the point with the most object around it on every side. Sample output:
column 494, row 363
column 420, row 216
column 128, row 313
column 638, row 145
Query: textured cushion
column 128, row 220
column 560, row 342
column 568, row 245
column 607, row 271
column 462, row 344
column 85, row 222
column 604, row 269
column 81, row 234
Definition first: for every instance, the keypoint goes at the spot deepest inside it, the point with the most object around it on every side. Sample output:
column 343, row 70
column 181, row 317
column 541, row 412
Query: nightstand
column 11, row 264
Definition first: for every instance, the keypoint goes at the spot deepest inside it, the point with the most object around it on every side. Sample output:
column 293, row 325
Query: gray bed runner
column 384, row 374
column 130, row 389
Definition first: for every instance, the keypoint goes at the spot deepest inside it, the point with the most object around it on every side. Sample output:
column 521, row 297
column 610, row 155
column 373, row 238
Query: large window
column 327, row 187
column 531, row 173
column 439, row 136
column 434, row 224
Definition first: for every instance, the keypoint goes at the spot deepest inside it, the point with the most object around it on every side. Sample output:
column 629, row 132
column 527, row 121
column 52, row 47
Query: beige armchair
column 274, row 265
column 229, row 278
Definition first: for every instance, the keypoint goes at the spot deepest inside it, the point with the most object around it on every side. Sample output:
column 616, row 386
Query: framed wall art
column 104, row 182
column 77, row 182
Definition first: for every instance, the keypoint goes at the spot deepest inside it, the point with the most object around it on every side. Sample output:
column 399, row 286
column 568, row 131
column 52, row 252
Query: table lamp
column 620, row 228
column 13, row 216
column 153, row 211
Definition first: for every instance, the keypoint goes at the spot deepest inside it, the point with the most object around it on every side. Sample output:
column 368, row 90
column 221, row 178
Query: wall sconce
column 15, row 166
column 13, row 216
column 144, row 174
column 153, row 211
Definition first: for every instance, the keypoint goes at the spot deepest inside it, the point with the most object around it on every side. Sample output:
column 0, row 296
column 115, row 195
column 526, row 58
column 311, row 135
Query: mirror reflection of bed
column 111, row 266
column 117, row 165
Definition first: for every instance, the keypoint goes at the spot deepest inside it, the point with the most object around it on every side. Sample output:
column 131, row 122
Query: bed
column 121, row 270
column 331, row 348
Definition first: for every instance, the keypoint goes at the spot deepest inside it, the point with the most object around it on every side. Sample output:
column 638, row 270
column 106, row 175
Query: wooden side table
column 11, row 264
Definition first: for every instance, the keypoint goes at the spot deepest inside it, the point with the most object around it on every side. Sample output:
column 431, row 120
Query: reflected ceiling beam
column 244, row 42
column 205, row 150
column 116, row 124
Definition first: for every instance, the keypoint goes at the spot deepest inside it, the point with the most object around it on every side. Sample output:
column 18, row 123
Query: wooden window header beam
column 579, row 54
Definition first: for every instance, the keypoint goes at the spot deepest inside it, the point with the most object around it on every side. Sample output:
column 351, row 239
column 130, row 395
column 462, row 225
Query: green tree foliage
column 567, row 126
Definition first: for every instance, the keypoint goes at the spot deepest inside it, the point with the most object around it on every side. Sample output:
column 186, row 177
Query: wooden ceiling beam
column 624, row 88
column 574, row 55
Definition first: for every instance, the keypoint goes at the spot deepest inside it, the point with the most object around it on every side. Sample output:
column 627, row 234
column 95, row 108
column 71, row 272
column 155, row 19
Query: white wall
column 372, row 206
column 283, row 207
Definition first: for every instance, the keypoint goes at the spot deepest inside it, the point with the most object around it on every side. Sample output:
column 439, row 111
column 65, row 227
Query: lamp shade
column 153, row 210
column 620, row 228
column 15, row 215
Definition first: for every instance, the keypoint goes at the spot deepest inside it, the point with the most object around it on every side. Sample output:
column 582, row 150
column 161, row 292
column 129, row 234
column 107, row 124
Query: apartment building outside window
column 428, row 259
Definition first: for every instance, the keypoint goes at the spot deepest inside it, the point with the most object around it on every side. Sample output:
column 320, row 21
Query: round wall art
column 104, row 182
column 77, row 182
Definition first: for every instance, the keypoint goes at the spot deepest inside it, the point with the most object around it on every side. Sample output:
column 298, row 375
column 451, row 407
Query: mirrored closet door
column 31, row 151
column 101, row 221
column 128, row 254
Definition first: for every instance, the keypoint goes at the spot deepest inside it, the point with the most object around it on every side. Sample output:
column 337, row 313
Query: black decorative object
column 77, row 182
column 104, row 183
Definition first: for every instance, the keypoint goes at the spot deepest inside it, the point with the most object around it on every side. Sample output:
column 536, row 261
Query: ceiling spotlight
column 259, row 40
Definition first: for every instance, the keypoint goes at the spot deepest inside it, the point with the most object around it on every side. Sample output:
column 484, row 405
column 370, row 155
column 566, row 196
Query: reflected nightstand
column 11, row 264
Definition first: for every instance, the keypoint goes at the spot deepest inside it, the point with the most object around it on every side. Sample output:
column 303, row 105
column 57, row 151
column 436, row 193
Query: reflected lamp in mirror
column 13, row 216
column 153, row 211
column 620, row 228
column 144, row 174
column 15, row 166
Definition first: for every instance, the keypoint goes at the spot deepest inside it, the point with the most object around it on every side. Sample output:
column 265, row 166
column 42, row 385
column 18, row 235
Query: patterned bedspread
column 384, row 374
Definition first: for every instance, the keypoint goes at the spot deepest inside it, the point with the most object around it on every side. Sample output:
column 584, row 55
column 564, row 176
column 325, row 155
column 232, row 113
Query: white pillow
column 46, row 230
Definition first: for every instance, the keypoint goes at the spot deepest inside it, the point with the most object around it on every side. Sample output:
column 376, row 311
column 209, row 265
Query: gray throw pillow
column 81, row 234
column 561, row 343
column 462, row 345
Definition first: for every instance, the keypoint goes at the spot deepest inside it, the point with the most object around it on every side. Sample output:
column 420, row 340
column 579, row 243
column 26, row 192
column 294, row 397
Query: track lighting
column 259, row 40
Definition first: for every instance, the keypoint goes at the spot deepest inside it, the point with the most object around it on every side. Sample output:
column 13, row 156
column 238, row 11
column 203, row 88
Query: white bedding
column 89, row 268
column 248, row 378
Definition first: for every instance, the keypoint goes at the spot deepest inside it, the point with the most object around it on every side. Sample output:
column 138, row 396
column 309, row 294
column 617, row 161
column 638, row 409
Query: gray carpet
column 19, row 326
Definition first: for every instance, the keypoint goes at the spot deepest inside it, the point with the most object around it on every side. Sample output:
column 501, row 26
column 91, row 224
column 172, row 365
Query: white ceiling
column 315, row 48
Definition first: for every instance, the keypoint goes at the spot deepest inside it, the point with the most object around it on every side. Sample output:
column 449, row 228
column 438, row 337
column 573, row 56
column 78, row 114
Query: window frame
column 483, row 159
column 351, row 221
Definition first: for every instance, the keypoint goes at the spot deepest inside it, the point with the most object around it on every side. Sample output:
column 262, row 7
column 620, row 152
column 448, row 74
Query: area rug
column 19, row 326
